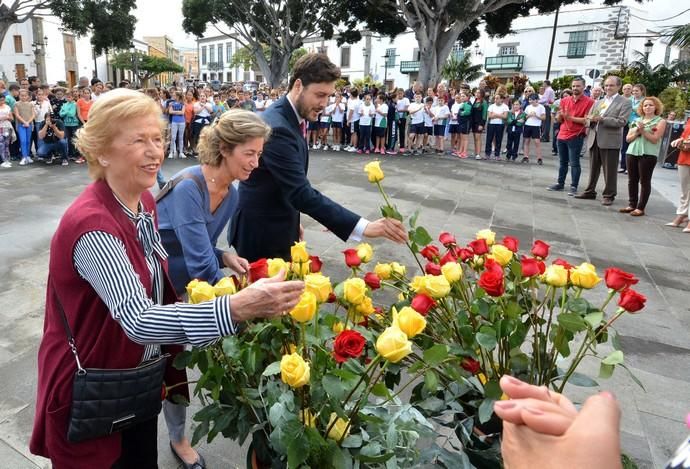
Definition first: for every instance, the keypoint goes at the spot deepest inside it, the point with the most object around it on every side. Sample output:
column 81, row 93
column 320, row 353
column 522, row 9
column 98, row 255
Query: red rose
column 372, row 280
column 331, row 298
column 422, row 303
column 471, row 365
column 479, row 246
column 542, row 268
column 430, row 252
column 258, row 269
column 364, row 322
column 564, row 263
column 315, row 264
column 540, row 249
column 653, row 129
column 492, row 282
column 450, row 256
column 617, row 279
column 530, row 266
column 493, row 266
column 511, row 243
column 348, row 344
column 351, row 258
column 432, row 269
column 446, row 239
column 465, row 254
column 631, row 301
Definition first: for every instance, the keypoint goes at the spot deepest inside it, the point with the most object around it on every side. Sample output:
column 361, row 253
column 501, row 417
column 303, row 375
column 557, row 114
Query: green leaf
column 436, row 354
column 430, row 380
column 352, row 441
column 493, row 390
column 615, row 339
column 486, row 409
column 634, row 378
column 614, row 358
column 420, row 236
column 579, row 379
column 183, row 359
column 577, row 305
column 413, row 218
column 334, row 386
column 605, row 371
column 391, row 212
column 199, row 432
column 513, row 310
column 380, row 390
column 488, row 341
column 297, row 446
column 572, row 322
column 272, row 369
column 594, row 319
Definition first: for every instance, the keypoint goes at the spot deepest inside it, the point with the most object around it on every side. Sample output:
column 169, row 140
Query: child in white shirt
column 440, row 120
column 532, row 131
column 367, row 110
column 380, row 124
column 497, row 114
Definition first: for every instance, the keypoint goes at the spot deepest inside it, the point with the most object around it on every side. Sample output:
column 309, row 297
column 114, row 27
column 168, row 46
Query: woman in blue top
column 194, row 213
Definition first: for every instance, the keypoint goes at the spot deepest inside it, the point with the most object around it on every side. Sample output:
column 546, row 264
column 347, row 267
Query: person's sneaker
column 352, row 150
column 171, row 155
column 6, row 164
column 80, row 160
column 49, row 160
column 366, row 152
column 29, row 160
column 540, row 161
column 572, row 191
column 65, row 163
column 326, row 147
column 24, row 162
column 402, row 150
column 463, row 155
column 317, row 146
column 359, row 152
column 525, row 159
column 392, row 152
column 555, row 187
column 478, row 157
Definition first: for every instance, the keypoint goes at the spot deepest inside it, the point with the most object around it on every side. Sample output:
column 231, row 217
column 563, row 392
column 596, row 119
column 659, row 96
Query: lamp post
column 386, row 56
column 648, row 49
column 39, row 49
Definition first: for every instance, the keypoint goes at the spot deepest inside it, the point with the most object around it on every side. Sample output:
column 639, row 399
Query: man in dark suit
column 267, row 221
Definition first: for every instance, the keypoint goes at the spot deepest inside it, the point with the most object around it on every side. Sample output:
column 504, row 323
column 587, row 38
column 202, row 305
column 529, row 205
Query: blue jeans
column 45, row 149
column 569, row 154
column 24, row 135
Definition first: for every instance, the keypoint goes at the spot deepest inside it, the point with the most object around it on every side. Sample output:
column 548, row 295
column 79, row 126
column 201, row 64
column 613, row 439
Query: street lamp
column 386, row 56
column 648, row 49
column 38, row 46
column 39, row 49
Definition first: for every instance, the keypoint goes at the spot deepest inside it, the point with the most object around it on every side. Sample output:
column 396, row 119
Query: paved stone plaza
column 461, row 196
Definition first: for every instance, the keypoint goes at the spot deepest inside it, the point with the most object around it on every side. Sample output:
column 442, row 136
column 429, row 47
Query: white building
column 589, row 41
column 39, row 47
column 215, row 55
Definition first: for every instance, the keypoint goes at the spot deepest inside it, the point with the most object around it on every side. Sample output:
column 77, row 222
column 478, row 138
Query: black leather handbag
column 105, row 401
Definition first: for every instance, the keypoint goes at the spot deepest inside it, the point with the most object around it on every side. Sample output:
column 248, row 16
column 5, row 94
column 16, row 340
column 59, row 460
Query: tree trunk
column 4, row 27
column 275, row 71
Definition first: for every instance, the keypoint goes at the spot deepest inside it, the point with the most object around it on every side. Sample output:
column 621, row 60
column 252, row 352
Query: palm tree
column 461, row 70
column 659, row 77
column 681, row 36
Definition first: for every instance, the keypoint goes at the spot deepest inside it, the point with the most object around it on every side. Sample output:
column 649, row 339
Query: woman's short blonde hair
column 658, row 106
column 233, row 128
column 110, row 113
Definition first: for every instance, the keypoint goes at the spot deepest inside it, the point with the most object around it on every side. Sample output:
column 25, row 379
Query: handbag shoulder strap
column 68, row 331
column 170, row 185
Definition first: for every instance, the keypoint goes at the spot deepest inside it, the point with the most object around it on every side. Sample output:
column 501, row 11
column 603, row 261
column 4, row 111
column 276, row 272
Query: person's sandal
column 679, row 220
column 636, row 213
column 627, row 210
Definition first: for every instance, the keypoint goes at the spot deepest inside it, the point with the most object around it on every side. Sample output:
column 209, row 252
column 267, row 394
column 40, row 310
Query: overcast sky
column 159, row 17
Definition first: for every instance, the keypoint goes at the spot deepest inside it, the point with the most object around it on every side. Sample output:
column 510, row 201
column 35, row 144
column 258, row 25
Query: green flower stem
column 388, row 284
column 543, row 371
column 316, row 323
column 612, row 293
column 365, row 395
column 303, row 330
column 586, row 344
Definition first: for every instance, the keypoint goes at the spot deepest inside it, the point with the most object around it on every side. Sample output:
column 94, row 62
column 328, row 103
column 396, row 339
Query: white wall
column 8, row 58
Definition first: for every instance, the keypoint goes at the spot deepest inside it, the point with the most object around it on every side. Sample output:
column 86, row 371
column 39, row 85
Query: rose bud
column 258, row 270
column 450, row 256
column 511, row 243
column 618, row 280
column 540, row 249
column 372, row 280
column 465, row 254
column 316, row 264
column 351, row 258
column 331, row 298
column 479, row 246
column 430, row 252
column 432, row 268
column 422, row 303
column 530, row 266
column 564, row 263
column 446, row 239
column 631, row 301
column 470, row 365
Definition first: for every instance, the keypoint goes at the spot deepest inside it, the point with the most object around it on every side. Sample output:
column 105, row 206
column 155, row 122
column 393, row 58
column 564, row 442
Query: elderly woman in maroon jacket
column 108, row 270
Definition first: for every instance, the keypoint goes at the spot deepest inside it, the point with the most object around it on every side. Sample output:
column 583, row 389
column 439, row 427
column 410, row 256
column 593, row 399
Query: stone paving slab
column 461, row 196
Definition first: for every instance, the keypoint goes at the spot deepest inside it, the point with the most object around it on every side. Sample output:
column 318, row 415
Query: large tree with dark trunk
column 282, row 25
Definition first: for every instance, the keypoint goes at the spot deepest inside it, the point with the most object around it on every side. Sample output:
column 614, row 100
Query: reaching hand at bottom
column 386, row 228
column 542, row 428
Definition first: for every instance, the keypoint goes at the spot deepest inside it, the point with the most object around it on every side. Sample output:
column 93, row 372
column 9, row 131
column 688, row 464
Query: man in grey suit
column 609, row 116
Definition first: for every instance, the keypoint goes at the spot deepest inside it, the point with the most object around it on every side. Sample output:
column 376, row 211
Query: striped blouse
column 100, row 259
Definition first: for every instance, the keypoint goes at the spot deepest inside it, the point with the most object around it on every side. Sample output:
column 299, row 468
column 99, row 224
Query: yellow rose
column 452, row 271
column 201, row 292
column 365, row 252
column 299, row 253
column 338, row 327
column 409, row 321
column 225, row 286
column 585, row 276
column 366, row 307
column 393, row 345
column 501, row 254
column 354, row 290
column 307, row 418
column 340, row 428
column 436, row 286
column 319, row 285
column 290, row 348
column 398, row 269
column 488, row 235
column 374, row 172
column 300, row 268
column 401, row 296
column 383, row 271
column 305, row 309
column 294, row 371
column 275, row 266
column 190, row 286
column 555, row 275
